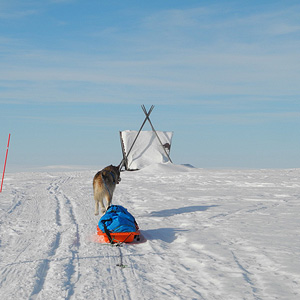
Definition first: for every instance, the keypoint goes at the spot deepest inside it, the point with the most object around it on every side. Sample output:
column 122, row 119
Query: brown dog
column 104, row 184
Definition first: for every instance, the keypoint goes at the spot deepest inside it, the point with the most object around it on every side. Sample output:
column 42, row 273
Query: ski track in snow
column 208, row 234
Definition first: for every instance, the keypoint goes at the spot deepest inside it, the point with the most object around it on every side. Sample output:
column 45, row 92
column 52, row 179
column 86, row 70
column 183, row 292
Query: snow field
column 210, row 234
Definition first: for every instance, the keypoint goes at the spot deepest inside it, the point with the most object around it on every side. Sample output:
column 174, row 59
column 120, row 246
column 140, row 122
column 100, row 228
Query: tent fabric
column 147, row 149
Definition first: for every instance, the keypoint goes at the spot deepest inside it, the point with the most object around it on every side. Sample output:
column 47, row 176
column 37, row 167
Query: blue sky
column 223, row 75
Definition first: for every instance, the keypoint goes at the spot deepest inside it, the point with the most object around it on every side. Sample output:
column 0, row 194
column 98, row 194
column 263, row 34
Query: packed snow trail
column 228, row 234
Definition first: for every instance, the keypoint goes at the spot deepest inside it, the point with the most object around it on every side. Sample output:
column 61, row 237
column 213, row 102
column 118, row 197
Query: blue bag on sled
column 117, row 225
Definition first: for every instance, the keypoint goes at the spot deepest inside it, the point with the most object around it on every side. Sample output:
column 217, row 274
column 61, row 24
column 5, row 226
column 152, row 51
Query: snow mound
column 165, row 168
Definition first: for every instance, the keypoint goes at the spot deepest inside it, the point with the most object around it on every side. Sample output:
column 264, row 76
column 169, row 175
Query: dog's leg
column 99, row 200
column 103, row 209
column 96, row 208
column 108, row 198
column 98, row 196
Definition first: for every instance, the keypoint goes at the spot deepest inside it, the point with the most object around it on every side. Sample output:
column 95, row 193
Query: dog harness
column 113, row 176
column 114, row 181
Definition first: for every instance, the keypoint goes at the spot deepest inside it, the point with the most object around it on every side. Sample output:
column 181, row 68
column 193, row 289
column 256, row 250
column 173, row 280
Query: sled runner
column 117, row 225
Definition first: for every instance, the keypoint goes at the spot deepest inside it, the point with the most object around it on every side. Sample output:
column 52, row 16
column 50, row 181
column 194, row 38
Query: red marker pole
column 5, row 163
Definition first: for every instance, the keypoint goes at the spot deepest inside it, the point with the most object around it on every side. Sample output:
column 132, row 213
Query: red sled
column 119, row 237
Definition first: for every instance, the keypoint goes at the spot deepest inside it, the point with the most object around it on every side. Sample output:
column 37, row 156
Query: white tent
column 143, row 148
column 147, row 149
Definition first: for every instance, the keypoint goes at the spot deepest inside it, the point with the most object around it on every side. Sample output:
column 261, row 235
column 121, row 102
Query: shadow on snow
column 169, row 235
column 181, row 210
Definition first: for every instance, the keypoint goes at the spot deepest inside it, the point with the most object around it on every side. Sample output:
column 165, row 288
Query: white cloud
column 18, row 14
column 16, row 9
column 174, row 54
